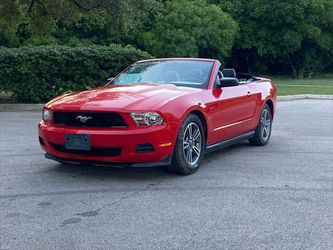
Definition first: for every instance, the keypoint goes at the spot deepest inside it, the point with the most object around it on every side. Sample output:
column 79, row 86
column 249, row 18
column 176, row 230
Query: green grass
column 291, row 86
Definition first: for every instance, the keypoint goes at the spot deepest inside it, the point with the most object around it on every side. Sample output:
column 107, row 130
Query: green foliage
column 296, row 33
column 101, row 21
column 277, row 36
column 191, row 28
column 37, row 74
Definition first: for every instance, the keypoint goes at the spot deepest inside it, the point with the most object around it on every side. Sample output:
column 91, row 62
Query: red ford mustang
column 159, row 112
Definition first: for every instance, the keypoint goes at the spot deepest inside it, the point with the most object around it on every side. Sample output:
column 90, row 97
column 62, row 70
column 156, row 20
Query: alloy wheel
column 192, row 143
column 265, row 121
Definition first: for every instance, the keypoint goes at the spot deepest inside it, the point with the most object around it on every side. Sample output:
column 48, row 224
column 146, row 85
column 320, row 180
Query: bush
column 191, row 28
column 38, row 74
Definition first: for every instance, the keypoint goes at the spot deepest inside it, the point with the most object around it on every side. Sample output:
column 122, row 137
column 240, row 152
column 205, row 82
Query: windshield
column 179, row 72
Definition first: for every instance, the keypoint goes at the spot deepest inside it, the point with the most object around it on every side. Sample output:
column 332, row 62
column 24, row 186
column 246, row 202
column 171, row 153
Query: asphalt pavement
column 279, row 196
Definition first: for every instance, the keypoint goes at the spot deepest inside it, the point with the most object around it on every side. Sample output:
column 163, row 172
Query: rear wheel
column 264, row 128
column 189, row 148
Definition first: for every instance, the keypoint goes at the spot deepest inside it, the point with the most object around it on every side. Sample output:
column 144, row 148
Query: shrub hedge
column 37, row 74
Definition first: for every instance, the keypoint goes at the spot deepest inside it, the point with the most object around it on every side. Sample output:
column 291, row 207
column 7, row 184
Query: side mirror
column 229, row 82
column 110, row 80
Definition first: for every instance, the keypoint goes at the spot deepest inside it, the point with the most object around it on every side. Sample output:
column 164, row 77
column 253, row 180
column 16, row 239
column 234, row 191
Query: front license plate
column 77, row 142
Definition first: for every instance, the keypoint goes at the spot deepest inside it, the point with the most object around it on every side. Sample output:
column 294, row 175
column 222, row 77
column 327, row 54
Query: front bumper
column 161, row 138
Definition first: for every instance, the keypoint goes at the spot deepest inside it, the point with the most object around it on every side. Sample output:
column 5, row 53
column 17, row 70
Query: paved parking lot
column 279, row 196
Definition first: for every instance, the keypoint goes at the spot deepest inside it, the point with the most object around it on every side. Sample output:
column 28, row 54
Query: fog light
column 143, row 148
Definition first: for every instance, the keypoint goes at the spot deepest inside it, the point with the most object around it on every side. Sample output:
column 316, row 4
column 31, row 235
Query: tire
column 189, row 148
column 264, row 128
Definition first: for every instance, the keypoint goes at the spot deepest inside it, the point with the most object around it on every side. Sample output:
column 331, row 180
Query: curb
column 12, row 107
column 38, row 107
column 304, row 96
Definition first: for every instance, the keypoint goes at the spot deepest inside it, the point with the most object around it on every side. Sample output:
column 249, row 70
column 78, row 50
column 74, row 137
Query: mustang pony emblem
column 83, row 119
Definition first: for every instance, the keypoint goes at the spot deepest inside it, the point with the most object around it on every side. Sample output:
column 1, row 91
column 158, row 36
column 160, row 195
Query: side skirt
column 229, row 142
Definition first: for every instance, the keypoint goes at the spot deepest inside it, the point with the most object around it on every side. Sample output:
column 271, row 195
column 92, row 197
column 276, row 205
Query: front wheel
column 264, row 128
column 189, row 148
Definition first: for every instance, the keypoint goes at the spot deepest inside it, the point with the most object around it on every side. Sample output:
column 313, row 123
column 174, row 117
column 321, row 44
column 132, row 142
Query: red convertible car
column 159, row 112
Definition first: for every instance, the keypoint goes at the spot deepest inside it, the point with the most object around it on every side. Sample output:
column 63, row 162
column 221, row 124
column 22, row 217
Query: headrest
column 229, row 73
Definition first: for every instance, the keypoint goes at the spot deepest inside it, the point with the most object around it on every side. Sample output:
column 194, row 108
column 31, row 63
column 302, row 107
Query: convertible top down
column 159, row 112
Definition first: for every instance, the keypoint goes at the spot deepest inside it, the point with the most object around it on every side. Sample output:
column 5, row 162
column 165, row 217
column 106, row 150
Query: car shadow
column 227, row 150
column 101, row 172
column 144, row 173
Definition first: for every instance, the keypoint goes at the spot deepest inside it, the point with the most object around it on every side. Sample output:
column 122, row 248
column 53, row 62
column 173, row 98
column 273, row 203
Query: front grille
column 114, row 151
column 85, row 119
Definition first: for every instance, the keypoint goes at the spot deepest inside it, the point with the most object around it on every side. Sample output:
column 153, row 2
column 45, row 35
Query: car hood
column 137, row 97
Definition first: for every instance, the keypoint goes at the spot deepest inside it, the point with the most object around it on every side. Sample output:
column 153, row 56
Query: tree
column 101, row 21
column 295, row 33
column 191, row 28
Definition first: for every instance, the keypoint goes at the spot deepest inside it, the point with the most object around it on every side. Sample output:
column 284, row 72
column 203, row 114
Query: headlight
column 46, row 115
column 148, row 118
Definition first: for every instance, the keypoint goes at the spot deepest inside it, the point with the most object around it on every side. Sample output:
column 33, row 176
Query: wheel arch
column 270, row 104
column 203, row 120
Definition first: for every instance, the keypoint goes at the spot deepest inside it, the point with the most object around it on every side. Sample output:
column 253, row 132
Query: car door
column 235, row 111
